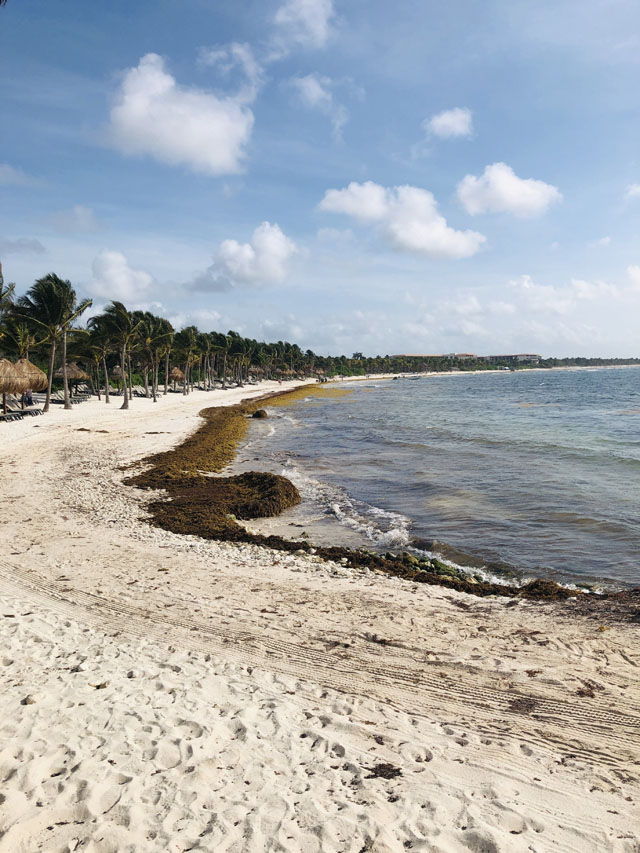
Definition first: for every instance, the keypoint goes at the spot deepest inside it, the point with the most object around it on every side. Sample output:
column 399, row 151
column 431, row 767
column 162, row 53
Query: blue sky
column 346, row 174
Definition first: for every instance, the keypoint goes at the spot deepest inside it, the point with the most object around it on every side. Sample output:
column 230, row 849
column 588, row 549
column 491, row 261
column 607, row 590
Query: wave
column 378, row 526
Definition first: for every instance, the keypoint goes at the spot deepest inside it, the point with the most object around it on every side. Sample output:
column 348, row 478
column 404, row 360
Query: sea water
column 527, row 473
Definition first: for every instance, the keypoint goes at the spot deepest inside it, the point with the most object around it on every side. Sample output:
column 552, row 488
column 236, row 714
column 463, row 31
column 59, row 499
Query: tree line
column 43, row 325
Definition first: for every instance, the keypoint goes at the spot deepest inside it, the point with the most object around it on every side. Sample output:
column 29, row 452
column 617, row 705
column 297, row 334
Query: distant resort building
column 512, row 358
column 518, row 358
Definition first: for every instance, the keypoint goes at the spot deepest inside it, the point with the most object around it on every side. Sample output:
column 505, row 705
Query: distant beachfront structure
column 513, row 358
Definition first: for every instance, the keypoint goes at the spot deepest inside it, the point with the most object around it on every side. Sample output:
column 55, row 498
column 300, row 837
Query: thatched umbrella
column 33, row 378
column 75, row 374
column 10, row 382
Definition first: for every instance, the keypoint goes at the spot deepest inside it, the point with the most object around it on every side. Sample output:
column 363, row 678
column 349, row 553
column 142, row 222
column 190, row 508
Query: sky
column 348, row 175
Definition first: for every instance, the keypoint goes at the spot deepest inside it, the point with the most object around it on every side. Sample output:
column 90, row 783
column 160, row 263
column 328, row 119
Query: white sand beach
column 164, row 693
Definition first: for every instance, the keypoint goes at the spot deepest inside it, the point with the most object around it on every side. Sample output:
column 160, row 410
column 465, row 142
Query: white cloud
column 314, row 91
column 591, row 290
column 367, row 202
column 565, row 300
column 264, row 260
column 632, row 191
column 450, row 124
column 11, row 175
column 464, row 305
column 154, row 115
column 502, row 309
column 21, row 245
column 542, row 297
column 500, row 190
column 287, row 328
column 601, row 243
column 232, row 56
column 633, row 273
column 202, row 318
column 78, row 218
column 113, row 278
column 304, row 23
column 408, row 217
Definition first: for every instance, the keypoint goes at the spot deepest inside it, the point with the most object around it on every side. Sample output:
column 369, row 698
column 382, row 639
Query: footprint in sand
column 189, row 728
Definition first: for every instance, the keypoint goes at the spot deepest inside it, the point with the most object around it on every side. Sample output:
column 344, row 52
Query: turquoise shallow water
column 533, row 471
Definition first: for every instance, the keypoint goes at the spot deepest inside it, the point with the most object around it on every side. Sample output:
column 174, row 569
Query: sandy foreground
column 162, row 693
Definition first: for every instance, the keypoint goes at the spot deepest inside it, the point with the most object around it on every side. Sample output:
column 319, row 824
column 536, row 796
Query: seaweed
column 199, row 501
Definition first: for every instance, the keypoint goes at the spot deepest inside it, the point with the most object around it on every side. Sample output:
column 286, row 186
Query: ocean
column 510, row 474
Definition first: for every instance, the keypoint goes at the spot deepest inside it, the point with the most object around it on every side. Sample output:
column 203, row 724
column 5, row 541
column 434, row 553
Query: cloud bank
column 407, row 216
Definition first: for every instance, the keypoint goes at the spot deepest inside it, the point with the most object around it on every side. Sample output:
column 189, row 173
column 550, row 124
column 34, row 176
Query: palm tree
column 186, row 342
column 51, row 305
column 99, row 346
column 20, row 337
column 6, row 293
column 119, row 324
column 166, row 335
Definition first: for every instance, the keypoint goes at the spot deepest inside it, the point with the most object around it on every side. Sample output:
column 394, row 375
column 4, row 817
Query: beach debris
column 28, row 700
column 383, row 771
column 259, row 413
column 589, row 688
column 522, row 705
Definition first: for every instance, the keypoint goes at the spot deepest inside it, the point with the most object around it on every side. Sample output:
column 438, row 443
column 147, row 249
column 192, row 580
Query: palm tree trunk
column 123, row 368
column 106, row 379
column 130, row 378
column 224, row 373
column 154, row 377
column 65, row 381
column 52, row 355
column 185, row 381
column 146, row 381
column 166, row 372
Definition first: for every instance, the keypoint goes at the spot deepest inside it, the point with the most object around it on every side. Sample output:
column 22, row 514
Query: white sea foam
column 379, row 526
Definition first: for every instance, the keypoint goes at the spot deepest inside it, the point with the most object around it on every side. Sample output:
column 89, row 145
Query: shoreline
column 293, row 523
column 161, row 692
column 198, row 500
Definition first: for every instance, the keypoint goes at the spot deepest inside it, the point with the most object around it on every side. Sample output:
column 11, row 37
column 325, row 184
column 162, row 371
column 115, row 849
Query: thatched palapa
column 176, row 375
column 10, row 381
column 31, row 376
column 74, row 373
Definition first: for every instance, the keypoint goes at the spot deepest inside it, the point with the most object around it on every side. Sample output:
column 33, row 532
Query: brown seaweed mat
column 197, row 502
